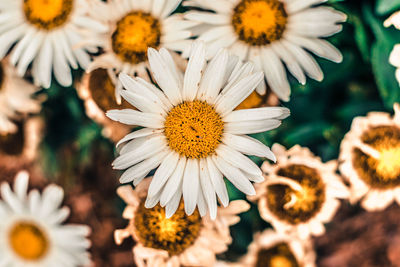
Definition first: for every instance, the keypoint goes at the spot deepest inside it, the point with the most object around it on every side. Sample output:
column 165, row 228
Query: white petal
column 201, row 203
column 257, row 114
column 134, row 117
column 173, row 204
column 194, row 71
column 137, row 134
column 44, row 61
column 218, row 182
column 237, row 159
column 298, row 5
column 207, row 17
column 250, row 127
column 21, row 185
column 208, row 189
column 190, row 186
column 234, row 175
column 142, row 103
column 162, row 174
column 173, row 183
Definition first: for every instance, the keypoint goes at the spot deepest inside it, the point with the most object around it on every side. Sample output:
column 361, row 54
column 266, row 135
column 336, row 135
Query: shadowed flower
column 31, row 230
column 191, row 131
column 271, row 249
column 269, row 32
column 134, row 26
column 181, row 240
column 394, row 58
column 300, row 192
column 47, row 33
column 370, row 159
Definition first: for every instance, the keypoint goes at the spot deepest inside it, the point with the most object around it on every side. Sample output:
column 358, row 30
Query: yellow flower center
column 134, row 34
column 254, row 100
column 259, row 22
column 194, row 129
column 47, row 14
column 306, row 203
column 278, row 256
column 13, row 143
column 28, row 241
column 382, row 172
column 102, row 91
column 173, row 235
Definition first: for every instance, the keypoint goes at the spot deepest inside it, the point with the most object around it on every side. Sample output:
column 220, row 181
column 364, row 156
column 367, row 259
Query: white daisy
column 31, row 233
column 191, row 130
column 47, row 33
column 300, row 193
column 134, row 26
column 370, row 159
column 16, row 98
column 269, row 32
column 394, row 58
column 273, row 249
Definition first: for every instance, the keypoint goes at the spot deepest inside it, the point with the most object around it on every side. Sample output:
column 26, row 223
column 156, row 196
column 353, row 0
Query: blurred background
column 75, row 155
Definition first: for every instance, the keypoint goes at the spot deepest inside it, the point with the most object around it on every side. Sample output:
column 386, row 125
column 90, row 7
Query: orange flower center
column 194, row 129
column 47, row 14
column 259, row 22
column 279, row 255
column 134, row 34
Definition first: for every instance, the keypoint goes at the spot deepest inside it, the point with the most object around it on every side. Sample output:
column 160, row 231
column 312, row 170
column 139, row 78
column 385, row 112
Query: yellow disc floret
column 47, row 14
column 194, row 129
column 174, row 235
column 304, row 204
column 278, row 256
column 28, row 241
column 134, row 34
column 259, row 22
column 382, row 172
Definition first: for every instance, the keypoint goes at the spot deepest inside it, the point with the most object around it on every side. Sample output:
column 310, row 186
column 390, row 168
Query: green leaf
column 384, row 7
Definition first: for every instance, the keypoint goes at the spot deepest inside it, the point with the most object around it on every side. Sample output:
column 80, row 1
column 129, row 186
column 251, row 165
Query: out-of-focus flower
column 16, row 98
column 47, row 33
column 31, row 230
column 279, row 250
column 300, row 192
column 370, row 159
column 191, row 131
column 98, row 93
column 134, row 26
column 269, row 32
column 181, row 240
column 394, row 58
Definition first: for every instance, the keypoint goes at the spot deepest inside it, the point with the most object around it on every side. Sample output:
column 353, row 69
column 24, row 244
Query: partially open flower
column 300, row 192
column 135, row 26
column 370, row 159
column 31, row 229
column 271, row 249
column 98, row 93
column 181, row 240
column 394, row 58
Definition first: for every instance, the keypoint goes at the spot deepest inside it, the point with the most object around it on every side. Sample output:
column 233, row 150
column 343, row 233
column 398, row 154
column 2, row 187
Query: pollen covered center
column 259, row 22
column 384, row 171
column 28, row 241
column 47, row 14
column 297, row 206
column 194, row 129
column 278, row 256
column 102, row 91
column 134, row 34
column 174, row 235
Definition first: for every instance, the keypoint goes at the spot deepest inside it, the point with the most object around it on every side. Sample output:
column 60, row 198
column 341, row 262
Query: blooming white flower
column 269, row 32
column 278, row 250
column 16, row 98
column 31, row 233
column 394, row 58
column 370, row 159
column 300, row 193
column 181, row 240
column 47, row 33
column 133, row 27
column 191, row 131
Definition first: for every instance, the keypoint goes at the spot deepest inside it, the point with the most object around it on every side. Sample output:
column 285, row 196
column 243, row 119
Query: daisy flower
column 47, row 33
column 31, row 233
column 98, row 93
column 269, row 32
column 301, row 193
column 16, row 98
column 191, row 131
column 134, row 26
column 394, row 58
column 370, row 159
column 273, row 249
column 181, row 240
